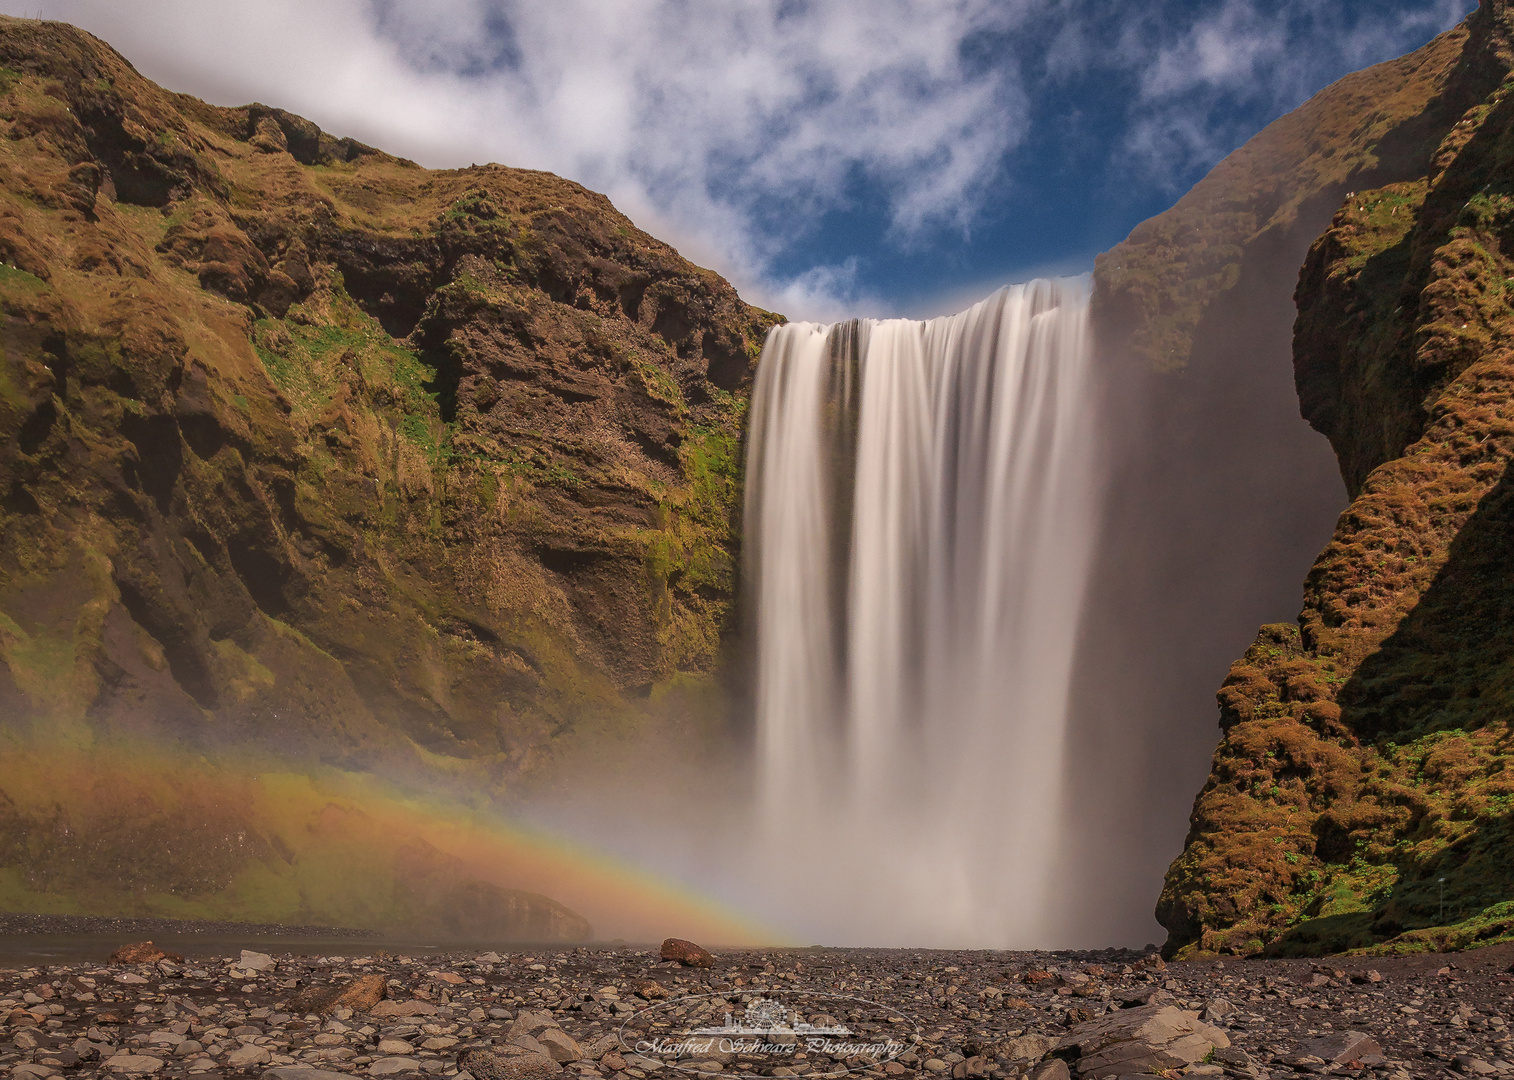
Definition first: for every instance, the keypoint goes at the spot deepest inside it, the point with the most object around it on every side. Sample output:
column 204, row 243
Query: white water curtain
column 920, row 517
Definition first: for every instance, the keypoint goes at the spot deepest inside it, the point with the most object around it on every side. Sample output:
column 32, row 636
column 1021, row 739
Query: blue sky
column 831, row 157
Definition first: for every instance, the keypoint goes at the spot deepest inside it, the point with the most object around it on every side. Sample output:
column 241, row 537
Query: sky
column 830, row 157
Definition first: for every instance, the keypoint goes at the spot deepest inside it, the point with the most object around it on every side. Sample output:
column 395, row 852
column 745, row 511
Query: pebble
column 981, row 1015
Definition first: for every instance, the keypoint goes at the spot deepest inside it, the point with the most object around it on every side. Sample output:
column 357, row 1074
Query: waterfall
column 919, row 518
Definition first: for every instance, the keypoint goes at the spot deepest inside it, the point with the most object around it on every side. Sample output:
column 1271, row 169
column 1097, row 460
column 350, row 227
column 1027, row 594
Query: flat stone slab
column 403, row 1008
column 1341, row 1047
column 1145, row 1039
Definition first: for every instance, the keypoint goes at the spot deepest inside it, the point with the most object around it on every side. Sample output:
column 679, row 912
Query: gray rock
column 530, row 1022
column 1218, row 1009
column 1144, row 1039
column 560, row 1046
column 1143, row 995
column 602, row 1046
column 254, row 961
column 526, row 1042
column 390, row 1065
column 1026, row 1048
column 1231, row 1055
column 250, row 1054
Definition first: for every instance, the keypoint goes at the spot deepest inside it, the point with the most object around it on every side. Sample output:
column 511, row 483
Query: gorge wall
column 309, row 452
column 1360, row 796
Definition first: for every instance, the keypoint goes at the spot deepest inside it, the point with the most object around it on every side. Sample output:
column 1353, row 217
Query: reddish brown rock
column 649, row 989
column 142, row 952
column 686, row 953
column 360, row 995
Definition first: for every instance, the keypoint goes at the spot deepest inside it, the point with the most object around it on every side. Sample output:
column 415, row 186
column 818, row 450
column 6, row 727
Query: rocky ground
column 993, row 1014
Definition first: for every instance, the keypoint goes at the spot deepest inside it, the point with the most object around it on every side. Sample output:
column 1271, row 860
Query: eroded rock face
column 1355, row 797
column 305, row 447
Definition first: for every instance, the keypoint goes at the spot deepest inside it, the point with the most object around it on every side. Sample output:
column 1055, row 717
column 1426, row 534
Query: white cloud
column 732, row 128
column 738, row 123
column 1201, row 88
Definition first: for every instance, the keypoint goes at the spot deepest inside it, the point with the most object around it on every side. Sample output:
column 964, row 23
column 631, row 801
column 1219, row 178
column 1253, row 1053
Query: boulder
column 142, row 952
column 1342, row 1047
column 507, row 1063
column 1143, row 995
column 530, row 1022
column 531, row 1043
column 1218, row 1009
column 247, row 1055
column 560, row 1046
column 608, row 1043
column 1026, row 1048
column 649, row 990
column 686, row 953
column 253, row 961
column 360, row 995
column 1145, row 1039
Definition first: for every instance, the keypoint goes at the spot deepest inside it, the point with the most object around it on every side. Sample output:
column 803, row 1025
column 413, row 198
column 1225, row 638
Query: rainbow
column 145, row 830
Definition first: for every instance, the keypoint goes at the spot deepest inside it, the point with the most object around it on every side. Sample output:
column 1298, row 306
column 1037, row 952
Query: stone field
column 564, row 1012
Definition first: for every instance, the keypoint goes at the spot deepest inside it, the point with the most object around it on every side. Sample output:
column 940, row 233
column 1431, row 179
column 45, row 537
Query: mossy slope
column 304, row 447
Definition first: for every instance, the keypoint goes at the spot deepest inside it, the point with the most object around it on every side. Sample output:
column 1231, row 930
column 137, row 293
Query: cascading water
column 920, row 513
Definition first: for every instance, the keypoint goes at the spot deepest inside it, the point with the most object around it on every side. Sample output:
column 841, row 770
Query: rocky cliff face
column 1361, row 794
column 305, row 447
column 1221, row 496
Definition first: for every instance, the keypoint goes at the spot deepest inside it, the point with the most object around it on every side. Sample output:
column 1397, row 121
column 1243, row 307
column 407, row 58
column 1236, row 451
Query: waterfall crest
column 919, row 521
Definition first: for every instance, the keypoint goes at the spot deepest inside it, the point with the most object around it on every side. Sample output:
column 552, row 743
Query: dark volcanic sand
column 203, row 1019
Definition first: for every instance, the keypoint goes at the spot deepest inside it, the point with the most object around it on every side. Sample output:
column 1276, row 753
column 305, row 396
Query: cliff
column 307, row 450
column 1360, row 796
column 1220, row 495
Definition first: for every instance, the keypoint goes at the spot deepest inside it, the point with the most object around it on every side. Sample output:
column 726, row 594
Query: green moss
column 659, row 383
column 14, row 279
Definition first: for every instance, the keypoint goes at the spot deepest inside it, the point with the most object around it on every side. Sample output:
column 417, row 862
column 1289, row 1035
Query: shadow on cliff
column 1447, row 669
column 1220, row 497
